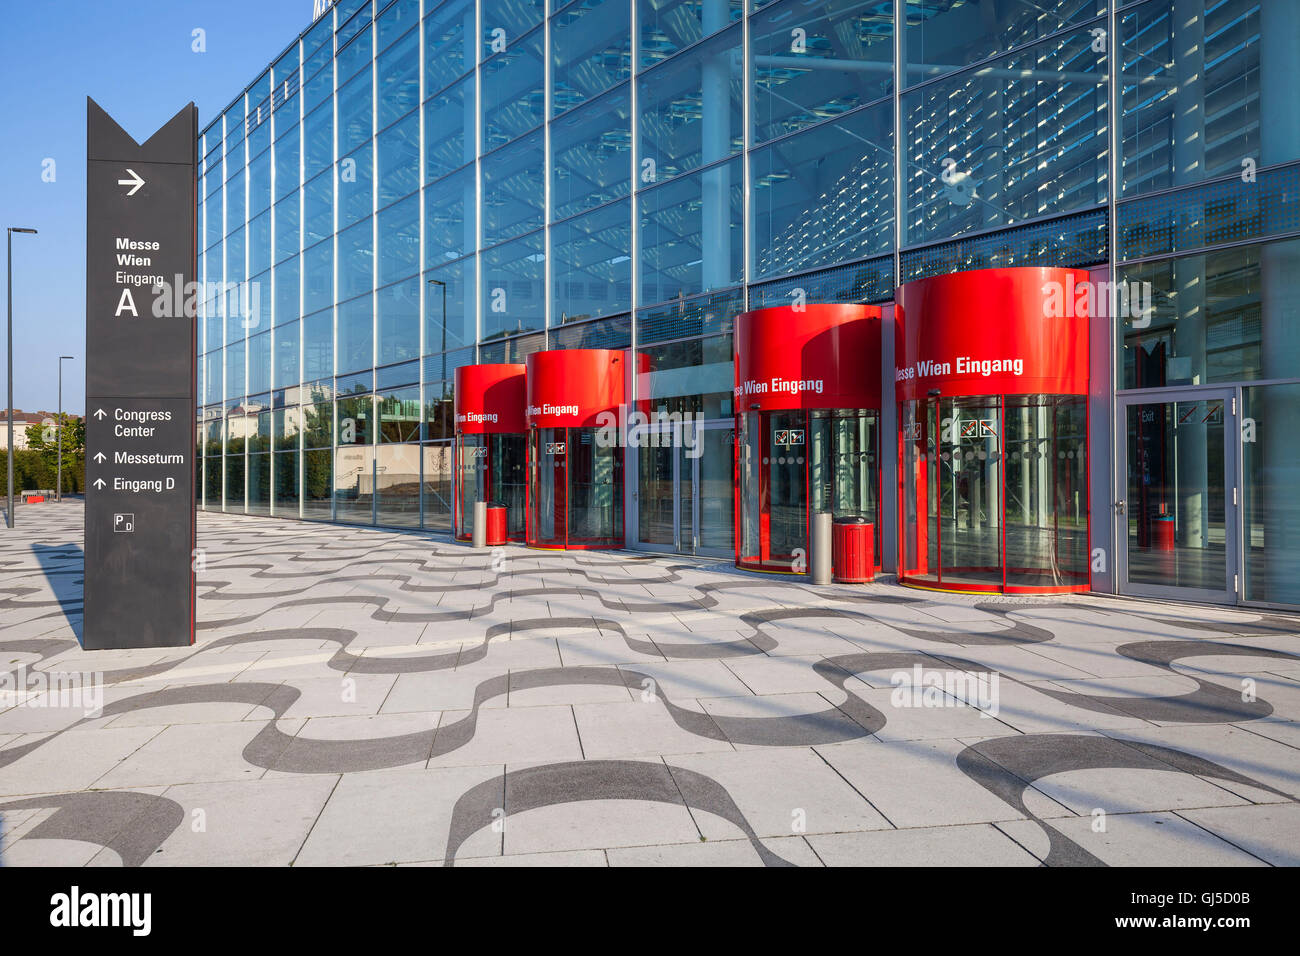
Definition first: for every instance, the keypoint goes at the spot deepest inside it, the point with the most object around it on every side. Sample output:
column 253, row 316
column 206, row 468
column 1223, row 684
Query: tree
column 41, row 460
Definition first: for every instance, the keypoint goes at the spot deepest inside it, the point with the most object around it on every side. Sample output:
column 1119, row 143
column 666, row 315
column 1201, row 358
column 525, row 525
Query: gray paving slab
column 374, row 697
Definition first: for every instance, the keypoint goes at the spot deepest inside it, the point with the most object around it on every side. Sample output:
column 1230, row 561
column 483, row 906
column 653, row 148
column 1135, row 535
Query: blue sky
column 135, row 58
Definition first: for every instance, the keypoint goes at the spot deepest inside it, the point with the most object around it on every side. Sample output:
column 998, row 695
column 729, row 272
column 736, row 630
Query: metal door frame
column 634, row 476
column 1232, row 487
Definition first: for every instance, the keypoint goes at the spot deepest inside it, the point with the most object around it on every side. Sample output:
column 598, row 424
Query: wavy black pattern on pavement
column 272, row 749
column 583, row 780
column 1209, row 703
column 132, row 825
column 1006, row 766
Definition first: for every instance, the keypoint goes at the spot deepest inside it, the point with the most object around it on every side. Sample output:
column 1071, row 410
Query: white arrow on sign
column 135, row 182
column 99, row 457
column 99, row 482
column 99, row 413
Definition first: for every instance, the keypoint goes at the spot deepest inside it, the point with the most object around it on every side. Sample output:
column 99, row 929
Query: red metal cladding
column 489, row 399
column 1014, row 331
column 569, row 388
column 820, row 356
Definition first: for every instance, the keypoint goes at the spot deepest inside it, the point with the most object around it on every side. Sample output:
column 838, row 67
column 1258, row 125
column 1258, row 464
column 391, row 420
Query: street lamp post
column 58, row 493
column 9, row 288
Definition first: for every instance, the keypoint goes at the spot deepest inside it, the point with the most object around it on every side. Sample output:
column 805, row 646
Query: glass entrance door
column 684, row 495
column 1178, row 518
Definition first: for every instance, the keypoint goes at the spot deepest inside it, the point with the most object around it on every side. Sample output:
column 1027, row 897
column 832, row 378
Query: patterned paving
column 363, row 696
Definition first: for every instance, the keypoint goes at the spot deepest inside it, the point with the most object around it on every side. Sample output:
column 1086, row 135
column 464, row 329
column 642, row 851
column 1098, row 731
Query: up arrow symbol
column 99, row 457
column 99, row 413
column 99, row 482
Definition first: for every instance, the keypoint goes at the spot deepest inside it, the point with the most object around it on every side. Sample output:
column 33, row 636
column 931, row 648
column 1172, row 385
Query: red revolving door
column 991, row 378
column 807, row 398
column 575, row 460
column 490, row 446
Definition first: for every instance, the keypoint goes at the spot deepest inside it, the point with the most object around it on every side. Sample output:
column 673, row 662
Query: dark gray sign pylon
column 140, row 383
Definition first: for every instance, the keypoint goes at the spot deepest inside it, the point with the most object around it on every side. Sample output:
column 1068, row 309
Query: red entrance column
column 807, row 398
column 575, row 459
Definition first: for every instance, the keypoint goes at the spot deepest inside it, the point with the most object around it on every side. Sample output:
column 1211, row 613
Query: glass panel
column 970, row 484
column 1017, row 139
column 1271, row 512
column 397, row 485
column 471, row 477
column 285, row 502
column 668, row 26
column 356, row 336
column 436, row 485
column 1220, row 317
column 449, row 130
column 691, row 234
column 1176, row 503
column 449, row 33
column 688, row 376
column 591, row 264
column 354, row 484
column 355, row 186
column 715, row 489
column 1046, row 483
column 259, row 484
column 550, row 487
column 318, row 205
column 356, row 262
column 399, row 415
column 514, row 190
column 399, row 322
column 825, row 196
column 691, row 109
column 591, row 50
column 655, row 493
column 449, row 307
column 514, row 287
column 317, row 484
column 399, row 160
column 356, row 114
column 507, row 479
column 942, row 37
column 318, row 276
column 514, row 94
column 287, row 155
column 1202, row 92
column 509, row 17
column 817, row 60
column 287, row 221
column 843, row 469
column 399, row 240
column 397, row 72
column 591, row 152
column 285, row 371
column 449, row 218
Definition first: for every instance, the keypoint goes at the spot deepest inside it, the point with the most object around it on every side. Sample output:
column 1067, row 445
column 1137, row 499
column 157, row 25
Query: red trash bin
column 853, row 548
column 495, row 531
column 1162, row 537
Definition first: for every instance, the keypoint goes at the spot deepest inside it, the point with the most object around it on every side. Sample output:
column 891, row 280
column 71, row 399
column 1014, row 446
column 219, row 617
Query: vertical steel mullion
column 420, row 271
column 548, row 280
column 631, row 471
column 900, row 140
column 747, row 143
column 334, row 278
column 299, row 440
column 478, row 179
column 1117, row 428
column 374, row 267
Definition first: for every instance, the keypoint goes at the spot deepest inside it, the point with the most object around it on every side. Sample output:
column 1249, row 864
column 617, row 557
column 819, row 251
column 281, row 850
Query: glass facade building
column 417, row 185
